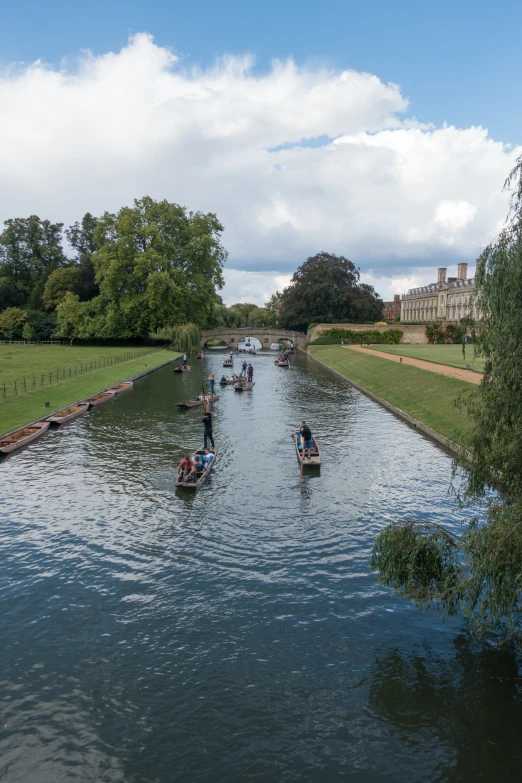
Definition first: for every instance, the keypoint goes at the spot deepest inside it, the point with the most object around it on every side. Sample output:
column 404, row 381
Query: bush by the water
column 372, row 336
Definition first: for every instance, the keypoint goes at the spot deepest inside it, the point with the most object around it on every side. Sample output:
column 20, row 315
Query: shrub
column 372, row 336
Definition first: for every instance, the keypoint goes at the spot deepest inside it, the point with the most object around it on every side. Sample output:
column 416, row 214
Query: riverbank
column 30, row 405
column 424, row 396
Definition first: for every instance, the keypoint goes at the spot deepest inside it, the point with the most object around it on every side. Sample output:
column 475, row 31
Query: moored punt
column 314, row 460
column 200, row 477
column 198, row 403
column 99, row 399
column 119, row 388
column 182, row 368
column 244, row 386
column 21, row 437
column 68, row 414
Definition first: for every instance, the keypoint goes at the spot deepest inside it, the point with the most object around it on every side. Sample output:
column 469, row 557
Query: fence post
column 50, row 378
column 15, row 390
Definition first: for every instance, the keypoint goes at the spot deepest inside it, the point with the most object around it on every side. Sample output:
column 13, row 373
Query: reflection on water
column 236, row 634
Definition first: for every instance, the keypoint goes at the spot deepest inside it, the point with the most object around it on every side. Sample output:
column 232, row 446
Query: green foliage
column 326, row 341
column 327, row 289
column 11, row 323
column 438, row 333
column 479, row 572
column 58, row 284
column 310, row 327
column 157, row 265
column 369, row 336
column 43, row 325
column 30, row 249
column 185, row 338
column 270, row 308
column 27, row 332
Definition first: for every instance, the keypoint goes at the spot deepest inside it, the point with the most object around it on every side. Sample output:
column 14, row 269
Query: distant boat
column 229, row 379
column 197, row 403
column 21, row 437
column 228, row 363
column 315, row 455
column 119, row 388
column 69, row 414
column 200, row 476
column 182, row 368
column 200, row 355
column 99, row 399
column 244, row 386
column 282, row 362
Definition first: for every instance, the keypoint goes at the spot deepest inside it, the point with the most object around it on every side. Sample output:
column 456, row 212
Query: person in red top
column 186, row 469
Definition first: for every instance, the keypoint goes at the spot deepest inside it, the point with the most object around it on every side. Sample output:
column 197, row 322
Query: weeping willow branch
column 186, row 337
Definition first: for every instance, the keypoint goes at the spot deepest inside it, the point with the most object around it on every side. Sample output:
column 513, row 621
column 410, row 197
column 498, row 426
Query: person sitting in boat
column 207, row 457
column 307, row 443
column 186, row 469
column 199, row 464
column 223, row 379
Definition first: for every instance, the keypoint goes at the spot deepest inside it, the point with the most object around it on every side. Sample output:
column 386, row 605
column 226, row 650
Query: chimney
column 462, row 273
column 442, row 274
column 396, row 297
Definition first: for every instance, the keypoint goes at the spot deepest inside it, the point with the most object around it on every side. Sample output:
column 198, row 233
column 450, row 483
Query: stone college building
column 446, row 300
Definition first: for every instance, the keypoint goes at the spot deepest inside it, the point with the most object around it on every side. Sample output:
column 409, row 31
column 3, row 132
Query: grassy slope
column 425, row 395
column 26, row 361
column 440, row 354
column 16, row 411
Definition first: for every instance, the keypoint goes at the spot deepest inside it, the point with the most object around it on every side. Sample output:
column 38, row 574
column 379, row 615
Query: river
column 238, row 634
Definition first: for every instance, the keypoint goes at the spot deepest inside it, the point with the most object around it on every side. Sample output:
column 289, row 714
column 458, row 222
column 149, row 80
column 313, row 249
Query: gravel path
column 442, row 369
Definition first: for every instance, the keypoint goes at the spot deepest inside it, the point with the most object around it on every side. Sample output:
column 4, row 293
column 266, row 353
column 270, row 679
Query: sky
column 380, row 131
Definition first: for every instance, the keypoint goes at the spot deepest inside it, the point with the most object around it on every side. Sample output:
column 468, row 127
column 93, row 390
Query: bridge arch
column 265, row 335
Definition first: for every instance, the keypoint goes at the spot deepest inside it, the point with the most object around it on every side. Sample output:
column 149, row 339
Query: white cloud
column 253, row 287
column 388, row 192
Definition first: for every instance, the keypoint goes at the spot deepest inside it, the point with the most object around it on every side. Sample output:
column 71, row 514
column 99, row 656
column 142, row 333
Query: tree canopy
column 480, row 571
column 148, row 266
column 326, row 288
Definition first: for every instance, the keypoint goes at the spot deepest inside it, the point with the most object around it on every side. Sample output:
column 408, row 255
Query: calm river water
column 236, row 635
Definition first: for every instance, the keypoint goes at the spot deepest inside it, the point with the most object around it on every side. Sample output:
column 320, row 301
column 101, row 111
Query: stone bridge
column 265, row 335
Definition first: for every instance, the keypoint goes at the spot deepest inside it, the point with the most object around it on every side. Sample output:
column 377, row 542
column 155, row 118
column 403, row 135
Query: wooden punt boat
column 182, row 368
column 229, row 379
column 200, row 477
column 99, row 399
column 197, row 403
column 282, row 362
column 119, row 388
column 21, row 437
column 315, row 455
column 69, row 414
column 228, row 363
column 200, row 355
column 244, row 386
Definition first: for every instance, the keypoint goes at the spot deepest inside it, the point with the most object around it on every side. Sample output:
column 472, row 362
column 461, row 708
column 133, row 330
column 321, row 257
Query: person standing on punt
column 207, row 423
column 212, row 382
column 307, row 442
column 250, row 373
column 244, row 368
column 184, row 358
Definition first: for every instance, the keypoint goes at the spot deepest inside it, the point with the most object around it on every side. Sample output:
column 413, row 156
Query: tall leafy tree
column 30, row 249
column 480, row 571
column 156, row 265
column 326, row 288
column 81, row 237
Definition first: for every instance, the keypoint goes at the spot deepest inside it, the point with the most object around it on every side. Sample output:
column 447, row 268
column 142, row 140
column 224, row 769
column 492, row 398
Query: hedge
column 390, row 337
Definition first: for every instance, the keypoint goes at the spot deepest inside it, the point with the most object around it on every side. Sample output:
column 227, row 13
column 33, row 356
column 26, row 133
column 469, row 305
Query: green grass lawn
column 440, row 354
column 19, row 361
column 426, row 396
